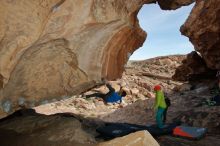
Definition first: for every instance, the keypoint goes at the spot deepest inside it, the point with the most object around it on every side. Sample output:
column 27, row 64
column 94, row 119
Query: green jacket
column 160, row 100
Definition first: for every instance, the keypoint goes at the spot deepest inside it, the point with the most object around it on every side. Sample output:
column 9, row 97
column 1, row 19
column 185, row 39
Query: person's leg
column 165, row 115
column 101, row 95
column 159, row 117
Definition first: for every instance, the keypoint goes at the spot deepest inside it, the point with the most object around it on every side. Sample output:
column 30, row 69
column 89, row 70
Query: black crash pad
column 113, row 130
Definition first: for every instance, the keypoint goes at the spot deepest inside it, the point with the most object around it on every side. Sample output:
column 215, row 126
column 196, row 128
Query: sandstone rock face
column 57, row 67
column 141, row 138
column 51, row 49
column 54, row 48
column 203, row 29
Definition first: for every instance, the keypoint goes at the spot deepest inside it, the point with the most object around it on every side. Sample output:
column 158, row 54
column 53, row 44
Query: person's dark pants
column 165, row 115
column 159, row 117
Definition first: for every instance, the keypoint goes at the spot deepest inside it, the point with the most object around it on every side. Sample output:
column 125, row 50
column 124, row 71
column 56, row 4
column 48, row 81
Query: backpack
column 167, row 100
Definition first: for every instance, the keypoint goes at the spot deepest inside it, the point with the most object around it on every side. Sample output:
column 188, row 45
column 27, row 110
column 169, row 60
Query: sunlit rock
column 141, row 138
column 51, row 49
column 203, row 27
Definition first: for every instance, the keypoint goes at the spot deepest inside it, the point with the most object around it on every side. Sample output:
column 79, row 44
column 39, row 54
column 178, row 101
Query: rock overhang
column 80, row 42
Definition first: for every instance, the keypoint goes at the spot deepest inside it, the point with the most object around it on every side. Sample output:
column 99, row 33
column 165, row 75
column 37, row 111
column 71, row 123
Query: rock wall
column 51, row 49
column 203, row 30
column 193, row 68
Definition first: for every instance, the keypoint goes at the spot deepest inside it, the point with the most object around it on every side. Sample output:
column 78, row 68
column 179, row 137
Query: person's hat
column 157, row 88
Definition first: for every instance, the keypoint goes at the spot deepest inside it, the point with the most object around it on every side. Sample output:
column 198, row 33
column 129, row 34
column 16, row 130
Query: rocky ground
column 73, row 121
column 138, row 81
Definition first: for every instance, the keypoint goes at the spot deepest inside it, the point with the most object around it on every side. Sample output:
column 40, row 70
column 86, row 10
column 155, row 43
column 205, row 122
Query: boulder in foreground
column 140, row 138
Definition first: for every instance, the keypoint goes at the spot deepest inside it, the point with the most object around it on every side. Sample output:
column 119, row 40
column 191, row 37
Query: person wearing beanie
column 160, row 106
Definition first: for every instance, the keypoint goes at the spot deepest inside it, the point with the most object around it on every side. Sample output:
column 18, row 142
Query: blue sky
column 163, row 35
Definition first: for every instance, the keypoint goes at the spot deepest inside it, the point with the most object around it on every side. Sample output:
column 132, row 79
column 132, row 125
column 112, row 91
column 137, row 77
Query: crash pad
column 189, row 132
column 113, row 130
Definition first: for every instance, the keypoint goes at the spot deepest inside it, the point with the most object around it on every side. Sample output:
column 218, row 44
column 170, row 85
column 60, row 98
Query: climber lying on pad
column 111, row 96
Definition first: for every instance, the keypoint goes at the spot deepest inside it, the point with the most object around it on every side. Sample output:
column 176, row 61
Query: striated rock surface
column 54, row 48
column 203, row 29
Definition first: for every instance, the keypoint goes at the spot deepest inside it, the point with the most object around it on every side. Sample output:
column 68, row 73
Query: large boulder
column 51, row 49
column 141, row 138
column 203, row 29
column 26, row 127
column 193, row 68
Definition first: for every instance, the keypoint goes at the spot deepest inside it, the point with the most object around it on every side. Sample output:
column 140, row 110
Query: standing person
column 160, row 106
